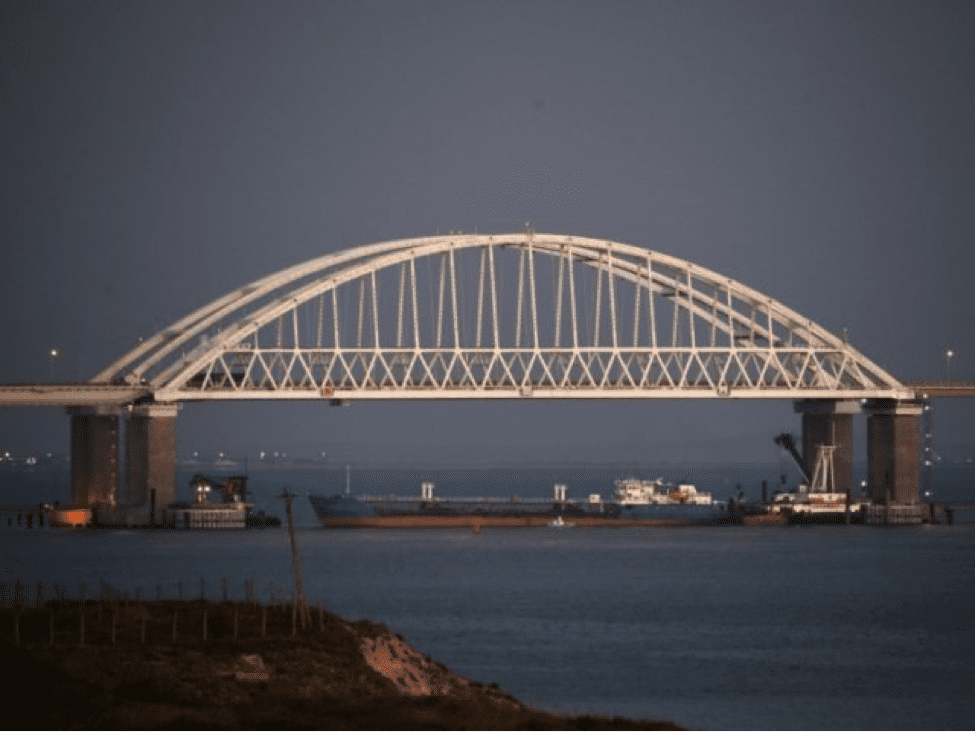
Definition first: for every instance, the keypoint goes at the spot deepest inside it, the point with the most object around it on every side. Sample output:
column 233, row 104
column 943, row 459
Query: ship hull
column 471, row 521
column 822, row 518
column 350, row 512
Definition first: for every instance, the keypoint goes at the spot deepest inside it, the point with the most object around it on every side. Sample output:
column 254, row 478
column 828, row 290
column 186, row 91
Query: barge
column 818, row 500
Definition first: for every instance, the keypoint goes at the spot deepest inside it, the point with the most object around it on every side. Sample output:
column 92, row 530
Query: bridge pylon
column 94, row 456
column 150, row 454
column 97, row 434
column 829, row 422
column 893, row 444
column 894, row 450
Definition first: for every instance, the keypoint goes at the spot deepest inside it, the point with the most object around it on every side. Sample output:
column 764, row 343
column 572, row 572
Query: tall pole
column 301, row 602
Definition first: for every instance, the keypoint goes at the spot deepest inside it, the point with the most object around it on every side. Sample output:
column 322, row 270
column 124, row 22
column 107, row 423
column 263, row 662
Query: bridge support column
column 150, row 454
column 894, row 450
column 829, row 422
column 94, row 457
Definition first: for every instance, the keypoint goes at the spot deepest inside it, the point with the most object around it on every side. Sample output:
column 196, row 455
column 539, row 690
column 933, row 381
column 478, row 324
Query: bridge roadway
column 933, row 389
column 84, row 394
column 70, row 395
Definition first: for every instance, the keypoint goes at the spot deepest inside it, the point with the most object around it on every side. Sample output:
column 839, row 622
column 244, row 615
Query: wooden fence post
column 51, row 619
column 204, row 621
column 114, row 623
column 263, row 621
column 236, row 614
column 81, row 626
column 174, row 625
column 144, row 613
column 16, row 630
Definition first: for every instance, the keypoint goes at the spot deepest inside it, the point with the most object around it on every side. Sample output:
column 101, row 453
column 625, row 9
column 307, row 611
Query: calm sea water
column 735, row 628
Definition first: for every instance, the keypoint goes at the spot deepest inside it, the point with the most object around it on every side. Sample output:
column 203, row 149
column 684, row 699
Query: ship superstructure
column 636, row 492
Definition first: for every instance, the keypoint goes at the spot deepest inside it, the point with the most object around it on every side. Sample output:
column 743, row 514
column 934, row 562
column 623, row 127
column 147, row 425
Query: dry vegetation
column 331, row 675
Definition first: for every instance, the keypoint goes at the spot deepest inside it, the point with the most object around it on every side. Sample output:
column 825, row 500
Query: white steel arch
column 498, row 316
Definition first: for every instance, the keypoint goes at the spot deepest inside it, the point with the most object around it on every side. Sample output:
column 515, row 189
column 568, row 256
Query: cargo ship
column 634, row 503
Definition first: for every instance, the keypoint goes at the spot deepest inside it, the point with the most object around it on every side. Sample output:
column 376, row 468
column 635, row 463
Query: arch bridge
column 489, row 316
column 498, row 316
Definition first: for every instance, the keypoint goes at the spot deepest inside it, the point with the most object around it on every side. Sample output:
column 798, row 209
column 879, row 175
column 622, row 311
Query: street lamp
column 53, row 355
column 949, row 354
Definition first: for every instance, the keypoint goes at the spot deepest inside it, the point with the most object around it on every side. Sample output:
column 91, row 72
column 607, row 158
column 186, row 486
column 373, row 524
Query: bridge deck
column 69, row 395
column 926, row 389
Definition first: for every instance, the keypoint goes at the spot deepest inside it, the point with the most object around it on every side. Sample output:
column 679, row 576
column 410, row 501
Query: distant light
column 54, row 353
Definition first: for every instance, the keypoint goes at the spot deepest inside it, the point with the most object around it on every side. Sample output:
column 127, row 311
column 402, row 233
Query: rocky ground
column 333, row 675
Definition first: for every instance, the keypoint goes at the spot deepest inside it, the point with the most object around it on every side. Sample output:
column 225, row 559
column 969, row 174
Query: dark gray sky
column 158, row 154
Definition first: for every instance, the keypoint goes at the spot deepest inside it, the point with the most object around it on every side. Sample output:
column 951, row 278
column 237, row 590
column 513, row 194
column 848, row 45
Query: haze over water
column 741, row 628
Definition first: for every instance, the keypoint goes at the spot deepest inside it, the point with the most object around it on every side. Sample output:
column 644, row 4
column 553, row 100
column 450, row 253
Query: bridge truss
column 498, row 316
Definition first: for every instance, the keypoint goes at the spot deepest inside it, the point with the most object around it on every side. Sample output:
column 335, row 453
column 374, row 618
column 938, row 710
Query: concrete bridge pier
column 150, row 455
column 94, row 455
column 829, row 422
column 894, row 450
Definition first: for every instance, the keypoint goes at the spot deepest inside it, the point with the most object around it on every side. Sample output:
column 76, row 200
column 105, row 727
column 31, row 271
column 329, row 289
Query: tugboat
column 229, row 512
